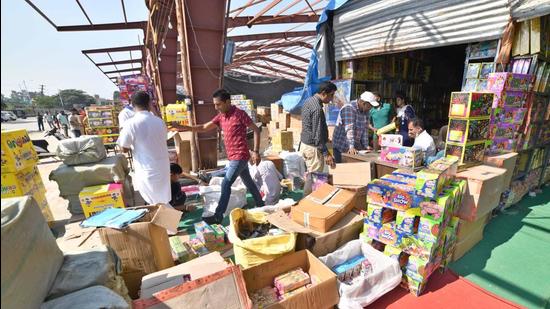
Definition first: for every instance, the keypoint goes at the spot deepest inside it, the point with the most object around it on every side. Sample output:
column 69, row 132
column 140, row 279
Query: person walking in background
column 405, row 113
column 49, row 119
column 145, row 135
column 314, row 136
column 75, row 123
column 379, row 117
column 40, row 120
column 63, row 122
column 56, row 120
column 351, row 134
column 233, row 122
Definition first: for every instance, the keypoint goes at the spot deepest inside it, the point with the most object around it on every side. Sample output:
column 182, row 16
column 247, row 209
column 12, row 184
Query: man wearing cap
column 351, row 134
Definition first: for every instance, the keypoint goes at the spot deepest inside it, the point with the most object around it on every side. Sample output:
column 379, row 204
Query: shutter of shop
column 370, row 27
column 527, row 9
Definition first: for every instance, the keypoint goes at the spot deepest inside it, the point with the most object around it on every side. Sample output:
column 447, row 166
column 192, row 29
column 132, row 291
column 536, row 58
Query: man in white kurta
column 268, row 180
column 145, row 135
column 125, row 114
column 422, row 139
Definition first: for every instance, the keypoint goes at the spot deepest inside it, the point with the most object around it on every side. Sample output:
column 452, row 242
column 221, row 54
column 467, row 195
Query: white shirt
column 268, row 180
column 125, row 114
column 425, row 142
column 145, row 134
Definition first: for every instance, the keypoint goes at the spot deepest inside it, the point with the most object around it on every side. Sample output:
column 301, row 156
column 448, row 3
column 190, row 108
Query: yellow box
column 97, row 198
column 176, row 112
column 17, row 151
column 40, row 198
column 282, row 140
column 18, row 184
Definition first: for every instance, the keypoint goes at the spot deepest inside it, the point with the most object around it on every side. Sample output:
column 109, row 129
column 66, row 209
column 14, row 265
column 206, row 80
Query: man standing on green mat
column 379, row 117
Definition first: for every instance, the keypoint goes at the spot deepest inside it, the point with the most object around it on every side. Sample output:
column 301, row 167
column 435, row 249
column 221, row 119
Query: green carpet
column 189, row 219
column 513, row 259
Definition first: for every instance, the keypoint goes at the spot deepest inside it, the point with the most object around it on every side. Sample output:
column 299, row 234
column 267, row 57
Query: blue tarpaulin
column 294, row 100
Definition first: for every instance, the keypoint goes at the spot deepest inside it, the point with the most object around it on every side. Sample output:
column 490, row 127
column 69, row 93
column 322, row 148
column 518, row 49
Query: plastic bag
column 213, row 191
column 81, row 150
column 293, row 165
column 254, row 251
column 385, row 275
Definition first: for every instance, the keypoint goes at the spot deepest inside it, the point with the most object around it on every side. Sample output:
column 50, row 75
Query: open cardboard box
column 506, row 161
column 143, row 246
column 485, row 185
column 354, row 177
column 322, row 295
column 323, row 208
column 320, row 244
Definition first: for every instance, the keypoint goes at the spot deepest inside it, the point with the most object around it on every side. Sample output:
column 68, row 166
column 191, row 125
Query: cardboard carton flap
column 167, row 217
column 351, row 174
column 282, row 221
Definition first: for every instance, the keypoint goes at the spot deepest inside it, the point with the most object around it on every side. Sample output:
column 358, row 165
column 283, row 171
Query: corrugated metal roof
column 369, row 27
column 526, row 9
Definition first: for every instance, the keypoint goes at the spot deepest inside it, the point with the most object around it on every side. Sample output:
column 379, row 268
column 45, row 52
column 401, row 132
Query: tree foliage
column 47, row 102
column 71, row 97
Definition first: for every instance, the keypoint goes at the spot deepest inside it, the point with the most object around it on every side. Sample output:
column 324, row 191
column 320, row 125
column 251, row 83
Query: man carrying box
column 233, row 123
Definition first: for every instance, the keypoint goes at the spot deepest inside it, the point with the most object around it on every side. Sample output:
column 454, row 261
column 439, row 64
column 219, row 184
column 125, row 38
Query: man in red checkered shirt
column 234, row 123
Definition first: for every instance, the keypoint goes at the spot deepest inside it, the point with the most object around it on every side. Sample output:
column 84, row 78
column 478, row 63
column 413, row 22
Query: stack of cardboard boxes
column 20, row 175
column 282, row 139
column 247, row 105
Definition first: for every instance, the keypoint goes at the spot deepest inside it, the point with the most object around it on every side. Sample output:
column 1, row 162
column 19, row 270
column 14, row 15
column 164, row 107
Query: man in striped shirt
column 314, row 135
column 351, row 133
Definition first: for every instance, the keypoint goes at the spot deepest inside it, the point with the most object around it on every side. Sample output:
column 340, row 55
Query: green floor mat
column 513, row 259
column 189, row 219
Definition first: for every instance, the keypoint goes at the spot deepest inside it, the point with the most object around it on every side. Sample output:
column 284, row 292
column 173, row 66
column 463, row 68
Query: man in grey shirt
column 314, row 135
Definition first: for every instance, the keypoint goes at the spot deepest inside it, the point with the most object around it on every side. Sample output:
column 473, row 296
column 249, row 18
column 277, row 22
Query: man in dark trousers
column 314, row 137
column 40, row 120
column 234, row 123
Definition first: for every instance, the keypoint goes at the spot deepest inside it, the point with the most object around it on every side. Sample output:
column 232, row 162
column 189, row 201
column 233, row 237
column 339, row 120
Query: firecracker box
column 508, row 81
column 275, row 110
column 103, row 131
column 507, row 98
column 94, row 123
column 513, row 115
column 466, row 153
column 17, row 151
column 391, row 140
column 504, row 130
column 284, row 120
column 176, row 113
column 109, row 139
column 94, row 199
column 467, row 130
column 470, row 104
column 403, row 156
column 282, row 140
column 238, row 97
column 502, row 145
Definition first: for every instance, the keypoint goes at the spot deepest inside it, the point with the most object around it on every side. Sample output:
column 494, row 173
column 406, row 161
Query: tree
column 71, row 97
column 47, row 102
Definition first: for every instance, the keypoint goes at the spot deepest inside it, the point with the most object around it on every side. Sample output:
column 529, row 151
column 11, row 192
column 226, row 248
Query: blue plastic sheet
column 117, row 218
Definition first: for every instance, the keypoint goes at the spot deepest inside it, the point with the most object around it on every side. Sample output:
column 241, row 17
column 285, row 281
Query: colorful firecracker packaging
column 180, row 250
column 470, row 104
column 212, row 236
column 389, row 235
column 406, row 221
column 503, row 130
column 468, row 130
column 393, row 252
column 198, row 247
column 514, row 115
column 429, row 182
column 436, row 209
column 403, row 156
column 497, row 82
column 291, row 280
column 417, row 269
column 351, row 269
column 428, row 230
column 379, row 215
column 467, row 154
column 95, row 199
column 447, row 165
column 17, row 151
column 391, row 140
column 503, row 145
column 415, row 287
column 510, row 99
column 398, row 179
column 370, row 230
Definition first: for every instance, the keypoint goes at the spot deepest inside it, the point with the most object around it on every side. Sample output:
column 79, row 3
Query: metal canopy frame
column 117, row 72
column 281, row 54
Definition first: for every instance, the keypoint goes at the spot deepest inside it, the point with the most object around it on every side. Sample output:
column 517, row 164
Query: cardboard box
column 176, row 112
column 170, row 277
column 17, row 151
column 353, row 177
column 485, row 185
column 322, row 295
column 463, row 131
column 403, row 156
column 505, row 161
column 323, row 208
column 470, row 104
column 95, row 199
column 469, row 234
column 273, row 127
column 275, row 110
column 143, row 246
column 264, row 111
column 284, row 120
column 472, row 153
column 277, row 161
column 282, row 140
column 320, row 244
column 182, row 143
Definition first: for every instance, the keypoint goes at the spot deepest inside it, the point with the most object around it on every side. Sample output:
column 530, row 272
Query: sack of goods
column 81, row 150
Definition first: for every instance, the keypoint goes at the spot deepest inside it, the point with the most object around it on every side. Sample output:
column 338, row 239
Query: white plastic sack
column 385, row 275
column 89, row 298
column 293, row 165
column 213, row 191
column 81, row 150
column 285, row 204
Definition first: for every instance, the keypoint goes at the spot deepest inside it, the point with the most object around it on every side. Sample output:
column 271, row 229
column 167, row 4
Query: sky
column 33, row 53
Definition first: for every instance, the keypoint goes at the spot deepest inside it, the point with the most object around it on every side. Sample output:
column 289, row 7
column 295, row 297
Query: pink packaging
column 502, row 145
column 513, row 115
column 508, row 81
column 503, row 130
